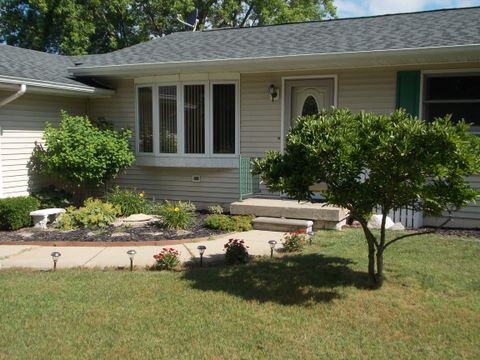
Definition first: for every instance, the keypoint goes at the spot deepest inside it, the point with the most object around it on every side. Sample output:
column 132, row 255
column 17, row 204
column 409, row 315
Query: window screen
column 224, row 118
column 194, row 109
column 167, row 113
column 145, row 120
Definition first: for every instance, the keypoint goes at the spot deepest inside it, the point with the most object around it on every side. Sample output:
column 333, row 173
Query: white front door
column 306, row 97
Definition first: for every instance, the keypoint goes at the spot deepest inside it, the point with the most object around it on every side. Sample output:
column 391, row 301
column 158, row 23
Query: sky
column 352, row 8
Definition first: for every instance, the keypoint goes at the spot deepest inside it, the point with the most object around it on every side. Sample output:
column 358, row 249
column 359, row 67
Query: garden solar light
column 310, row 236
column 131, row 255
column 272, row 244
column 201, row 249
column 55, row 255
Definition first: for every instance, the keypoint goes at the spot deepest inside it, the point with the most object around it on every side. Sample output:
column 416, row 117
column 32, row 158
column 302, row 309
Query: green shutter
column 408, row 91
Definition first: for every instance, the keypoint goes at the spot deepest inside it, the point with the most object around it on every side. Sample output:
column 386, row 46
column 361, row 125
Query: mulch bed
column 144, row 234
column 466, row 233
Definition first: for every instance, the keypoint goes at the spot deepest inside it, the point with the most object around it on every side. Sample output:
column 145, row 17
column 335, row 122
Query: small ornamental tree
column 368, row 160
column 83, row 154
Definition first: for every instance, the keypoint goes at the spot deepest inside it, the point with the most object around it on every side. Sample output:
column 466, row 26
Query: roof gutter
column 21, row 91
column 44, row 86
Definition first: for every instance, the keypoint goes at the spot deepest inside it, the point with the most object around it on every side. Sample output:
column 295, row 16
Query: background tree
column 369, row 160
column 83, row 154
column 76, row 27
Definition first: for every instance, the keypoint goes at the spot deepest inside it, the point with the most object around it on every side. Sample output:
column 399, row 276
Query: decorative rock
column 157, row 233
column 183, row 232
column 26, row 234
column 375, row 222
column 135, row 218
column 397, row 226
column 120, row 234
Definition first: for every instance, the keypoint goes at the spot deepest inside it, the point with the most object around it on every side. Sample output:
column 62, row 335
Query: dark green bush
column 15, row 212
column 51, row 197
column 229, row 223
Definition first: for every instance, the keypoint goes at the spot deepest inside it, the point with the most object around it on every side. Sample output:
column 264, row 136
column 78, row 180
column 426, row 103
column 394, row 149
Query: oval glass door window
column 310, row 106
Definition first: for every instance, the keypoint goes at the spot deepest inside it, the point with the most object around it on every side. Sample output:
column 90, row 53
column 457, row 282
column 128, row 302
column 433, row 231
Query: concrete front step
column 324, row 216
column 282, row 224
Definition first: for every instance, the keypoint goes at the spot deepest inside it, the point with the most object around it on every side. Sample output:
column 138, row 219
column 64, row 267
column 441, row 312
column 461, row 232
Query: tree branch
column 247, row 15
column 432, row 231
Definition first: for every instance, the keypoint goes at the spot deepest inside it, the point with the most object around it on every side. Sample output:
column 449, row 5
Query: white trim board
column 188, row 77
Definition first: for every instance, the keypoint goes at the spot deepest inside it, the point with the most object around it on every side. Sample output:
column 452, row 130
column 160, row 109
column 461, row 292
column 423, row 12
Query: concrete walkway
column 38, row 257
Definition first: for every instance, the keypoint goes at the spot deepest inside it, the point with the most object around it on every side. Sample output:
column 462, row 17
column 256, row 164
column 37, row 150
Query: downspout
column 20, row 92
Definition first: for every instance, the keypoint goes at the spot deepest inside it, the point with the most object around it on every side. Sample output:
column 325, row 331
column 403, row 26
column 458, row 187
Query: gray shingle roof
column 401, row 31
column 440, row 28
column 36, row 65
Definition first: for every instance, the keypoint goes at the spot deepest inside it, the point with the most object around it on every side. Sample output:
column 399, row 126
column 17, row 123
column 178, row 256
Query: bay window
column 188, row 120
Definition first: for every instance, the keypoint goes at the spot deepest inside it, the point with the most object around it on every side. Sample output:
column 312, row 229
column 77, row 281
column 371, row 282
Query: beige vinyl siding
column 260, row 125
column 372, row 89
column 22, row 122
column 216, row 186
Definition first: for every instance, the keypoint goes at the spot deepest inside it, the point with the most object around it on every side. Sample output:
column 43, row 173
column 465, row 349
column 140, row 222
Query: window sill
column 188, row 161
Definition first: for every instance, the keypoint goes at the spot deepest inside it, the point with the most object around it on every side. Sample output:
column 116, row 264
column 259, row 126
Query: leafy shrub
column 15, row 212
column 51, row 197
column 235, row 252
column 215, row 209
column 129, row 201
column 229, row 223
column 81, row 153
column 167, row 259
column 180, row 215
column 93, row 214
column 294, row 240
column 153, row 207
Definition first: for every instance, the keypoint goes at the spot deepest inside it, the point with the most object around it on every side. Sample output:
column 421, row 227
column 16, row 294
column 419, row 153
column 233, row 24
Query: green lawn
column 315, row 305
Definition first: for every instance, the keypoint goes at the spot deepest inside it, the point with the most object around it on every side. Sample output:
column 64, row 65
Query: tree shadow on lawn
column 289, row 280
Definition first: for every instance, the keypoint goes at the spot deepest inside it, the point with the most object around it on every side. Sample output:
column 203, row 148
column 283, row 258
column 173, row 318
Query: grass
column 315, row 305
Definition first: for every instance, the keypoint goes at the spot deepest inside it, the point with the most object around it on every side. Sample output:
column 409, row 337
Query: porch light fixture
column 272, row 244
column 55, row 255
column 131, row 255
column 201, row 250
column 273, row 91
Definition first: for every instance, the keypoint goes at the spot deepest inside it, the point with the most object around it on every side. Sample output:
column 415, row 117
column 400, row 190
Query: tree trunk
column 371, row 262
column 379, row 275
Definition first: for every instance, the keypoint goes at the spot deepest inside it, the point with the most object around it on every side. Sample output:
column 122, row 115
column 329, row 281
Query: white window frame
column 179, row 109
column 137, row 121
column 237, row 117
column 161, row 158
column 446, row 72
column 207, row 116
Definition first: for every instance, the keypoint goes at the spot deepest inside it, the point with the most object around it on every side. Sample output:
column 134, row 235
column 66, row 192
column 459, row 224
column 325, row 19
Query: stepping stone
column 137, row 218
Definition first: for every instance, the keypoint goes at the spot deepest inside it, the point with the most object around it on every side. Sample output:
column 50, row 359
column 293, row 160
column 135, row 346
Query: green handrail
column 249, row 184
